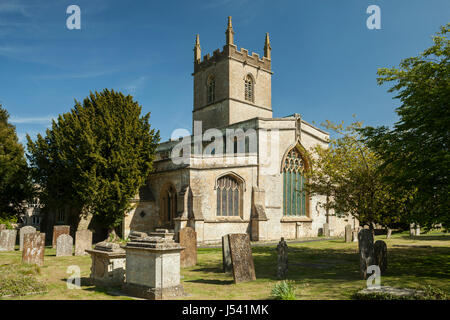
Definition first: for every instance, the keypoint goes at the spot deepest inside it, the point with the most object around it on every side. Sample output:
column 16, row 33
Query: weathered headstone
column 348, row 233
column 241, row 257
column 226, row 255
column 188, row 240
column 57, row 231
column 23, row 231
column 380, row 253
column 388, row 233
column 366, row 252
column 7, row 240
column 282, row 259
column 83, row 242
column 326, row 230
column 33, row 248
column 417, row 230
column 108, row 264
column 355, row 235
column 64, row 245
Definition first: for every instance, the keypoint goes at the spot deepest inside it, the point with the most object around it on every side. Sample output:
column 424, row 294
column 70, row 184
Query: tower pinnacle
column 267, row 47
column 197, row 50
column 229, row 32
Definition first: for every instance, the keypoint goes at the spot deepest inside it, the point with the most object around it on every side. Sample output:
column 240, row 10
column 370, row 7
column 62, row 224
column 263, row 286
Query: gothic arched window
column 168, row 206
column 211, row 87
column 228, row 196
column 294, row 196
column 249, row 89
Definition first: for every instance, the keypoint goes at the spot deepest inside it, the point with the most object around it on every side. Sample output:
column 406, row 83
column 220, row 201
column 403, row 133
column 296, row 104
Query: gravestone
column 226, row 255
column 380, row 253
column 108, row 264
column 241, row 257
column 23, row 231
column 354, row 235
column 417, row 230
column 366, row 251
column 2, row 227
column 388, row 233
column 188, row 240
column 326, row 230
column 64, row 245
column 282, row 259
column 33, row 248
column 57, row 231
column 83, row 242
column 348, row 233
column 7, row 240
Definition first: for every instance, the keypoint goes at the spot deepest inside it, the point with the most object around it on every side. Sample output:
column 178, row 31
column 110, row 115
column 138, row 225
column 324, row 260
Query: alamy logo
column 374, row 20
column 374, row 281
column 74, row 281
column 74, row 20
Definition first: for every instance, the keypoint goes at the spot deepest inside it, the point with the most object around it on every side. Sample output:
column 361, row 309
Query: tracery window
column 228, row 196
column 249, row 89
column 294, row 195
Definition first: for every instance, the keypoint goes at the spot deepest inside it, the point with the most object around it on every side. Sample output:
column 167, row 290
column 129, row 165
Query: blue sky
column 324, row 57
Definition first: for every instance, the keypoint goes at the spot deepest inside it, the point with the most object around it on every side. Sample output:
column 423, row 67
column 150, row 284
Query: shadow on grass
column 216, row 281
column 209, row 270
column 443, row 237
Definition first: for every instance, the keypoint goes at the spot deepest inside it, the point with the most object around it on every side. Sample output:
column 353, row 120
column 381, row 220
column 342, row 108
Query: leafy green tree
column 347, row 173
column 416, row 149
column 95, row 158
column 15, row 185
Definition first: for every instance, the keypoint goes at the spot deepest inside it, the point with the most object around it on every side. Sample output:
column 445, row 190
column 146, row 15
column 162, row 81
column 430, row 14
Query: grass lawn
column 319, row 270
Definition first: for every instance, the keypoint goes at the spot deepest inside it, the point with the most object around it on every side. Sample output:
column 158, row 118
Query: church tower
column 231, row 86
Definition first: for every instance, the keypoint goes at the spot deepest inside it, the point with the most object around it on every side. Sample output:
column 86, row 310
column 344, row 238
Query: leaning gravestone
column 282, row 259
column 33, row 248
column 241, row 257
column 83, row 242
column 57, row 231
column 366, row 252
column 326, row 230
column 380, row 253
column 7, row 240
column 348, row 233
column 226, row 255
column 64, row 245
column 188, row 240
column 23, row 232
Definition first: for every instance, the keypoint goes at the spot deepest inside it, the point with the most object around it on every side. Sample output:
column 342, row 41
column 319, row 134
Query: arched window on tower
column 249, row 88
column 295, row 199
column 211, row 88
column 228, row 196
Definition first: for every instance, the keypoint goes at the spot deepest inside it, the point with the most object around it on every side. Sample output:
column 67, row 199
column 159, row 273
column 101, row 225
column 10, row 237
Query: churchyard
column 327, row 269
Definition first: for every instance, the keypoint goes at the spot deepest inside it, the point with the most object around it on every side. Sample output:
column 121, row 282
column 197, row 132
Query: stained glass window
column 294, row 195
column 249, row 88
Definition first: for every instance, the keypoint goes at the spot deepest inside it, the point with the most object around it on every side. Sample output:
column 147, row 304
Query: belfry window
column 249, row 90
column 228, row 196
column 211, row 87
column 294, row 196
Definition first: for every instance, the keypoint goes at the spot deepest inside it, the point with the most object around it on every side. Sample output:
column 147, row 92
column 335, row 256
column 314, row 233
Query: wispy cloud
column 34, row 120
column 136, row 84
column 80, row 75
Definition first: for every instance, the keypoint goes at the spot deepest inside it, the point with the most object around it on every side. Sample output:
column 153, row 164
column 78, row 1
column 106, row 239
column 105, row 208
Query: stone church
column 256, row 186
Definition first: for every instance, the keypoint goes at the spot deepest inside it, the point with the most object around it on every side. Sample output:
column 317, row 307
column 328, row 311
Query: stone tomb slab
column 241, row 257
column 188, row 240
column 64, row 245
column 7, row 240
column 33, row 248
column 23, row 232
column 57, row 231
column 83, row 242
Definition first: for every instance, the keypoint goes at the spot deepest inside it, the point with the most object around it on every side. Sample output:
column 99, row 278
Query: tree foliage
column 416, row 149
column 15, row 185
column 347, row 173
column 95, row 157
